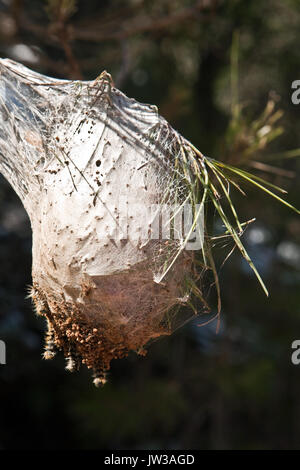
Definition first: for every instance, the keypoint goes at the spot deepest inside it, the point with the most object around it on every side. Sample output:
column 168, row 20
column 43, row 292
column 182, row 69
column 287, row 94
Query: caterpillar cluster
column 73, row 358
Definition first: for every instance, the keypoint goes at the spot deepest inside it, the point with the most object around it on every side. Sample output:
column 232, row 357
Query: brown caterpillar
column 99, row 376
column 41, row 309
column 73, row 360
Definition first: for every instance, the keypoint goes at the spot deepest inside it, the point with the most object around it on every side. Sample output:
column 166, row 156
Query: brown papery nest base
column 113, row 315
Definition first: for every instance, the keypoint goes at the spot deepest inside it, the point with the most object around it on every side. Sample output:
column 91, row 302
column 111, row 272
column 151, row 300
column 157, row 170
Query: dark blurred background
column 211, row 67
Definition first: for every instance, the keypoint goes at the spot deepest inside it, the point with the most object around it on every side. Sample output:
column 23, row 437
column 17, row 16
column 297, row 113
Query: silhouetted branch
column 113, row 31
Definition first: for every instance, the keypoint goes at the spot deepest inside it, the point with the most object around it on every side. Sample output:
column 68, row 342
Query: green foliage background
column 196, row 389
